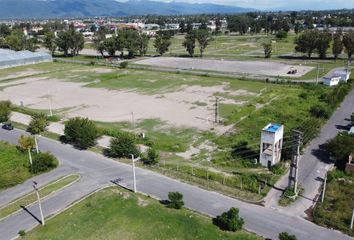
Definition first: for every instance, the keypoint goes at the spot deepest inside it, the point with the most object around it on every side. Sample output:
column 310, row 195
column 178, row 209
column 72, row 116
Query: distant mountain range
column 22, row 9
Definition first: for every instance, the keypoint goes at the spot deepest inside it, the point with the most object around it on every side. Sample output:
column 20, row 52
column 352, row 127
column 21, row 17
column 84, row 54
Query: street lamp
column 39, row 200
column 133, row 168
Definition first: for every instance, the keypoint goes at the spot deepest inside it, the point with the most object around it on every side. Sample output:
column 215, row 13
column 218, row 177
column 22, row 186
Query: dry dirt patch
column 177, row 108
column 24, row 73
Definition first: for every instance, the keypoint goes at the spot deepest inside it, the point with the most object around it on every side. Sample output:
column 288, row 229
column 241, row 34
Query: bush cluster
column 42, row 162
column 81, row 132
column 176, row 200
column 5, row 111
column 230, row 220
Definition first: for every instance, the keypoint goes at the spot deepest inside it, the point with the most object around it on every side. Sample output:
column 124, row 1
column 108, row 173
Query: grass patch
column 13, row 166
column 32, row 197
column 118, row 214
column 336, row 210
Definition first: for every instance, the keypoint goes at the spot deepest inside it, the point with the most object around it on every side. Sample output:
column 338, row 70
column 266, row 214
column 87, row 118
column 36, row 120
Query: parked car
column 8, row 126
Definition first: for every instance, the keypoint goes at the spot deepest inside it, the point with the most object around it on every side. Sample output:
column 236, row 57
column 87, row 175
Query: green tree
column 63, row 41
column 131, row 42
column 176, row 200
column 162, row 43
column 189, row 27
column 286, row 236
column 4, row 30
column 110, row 45
column 152, row 157
column 323, row 41
column 143, row 43
column 182, row 27
column 38, row 123
column 238, row 23
column 16, row 40
column 77, row 42
column 230, row 220
column 5, row 111
column 337, row 47
column 307, row 42
column 98, row 42
column 340, row 148
column 203, row 38
column 348, row 42
column 267, row 46
column 43, row 162
column 189, row 43
column 49, row 42
column 81, row 132
column 282, row 34
column 26, row 143
column 123, row 146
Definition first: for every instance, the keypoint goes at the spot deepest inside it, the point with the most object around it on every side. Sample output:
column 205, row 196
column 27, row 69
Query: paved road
column 314, row 163
column 97, row 171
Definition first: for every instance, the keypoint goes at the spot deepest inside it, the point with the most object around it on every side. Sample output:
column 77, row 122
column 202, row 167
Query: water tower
column 271, row 144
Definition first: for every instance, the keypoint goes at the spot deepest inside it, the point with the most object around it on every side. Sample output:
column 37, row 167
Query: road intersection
column 98, row 171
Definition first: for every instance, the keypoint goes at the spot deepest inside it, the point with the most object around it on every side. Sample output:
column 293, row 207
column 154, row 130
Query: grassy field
column 246, row 107
column 32, row 197
column 13, row 166
column 336, row 210
column 117, row 214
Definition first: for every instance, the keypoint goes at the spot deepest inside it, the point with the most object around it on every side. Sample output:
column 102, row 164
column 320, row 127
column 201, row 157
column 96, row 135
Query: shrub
column 5, row 111
column 123, row 64
column 320, row 111
column 81, row 132
column 152, row 157
column 123, row 146
column 230, row 220
column 340, row 148
column 22, row 233
column 43, row 162
column 38, row 123
column 278, row 169
column 281, row 34
column 176, row 200
column 286, row 236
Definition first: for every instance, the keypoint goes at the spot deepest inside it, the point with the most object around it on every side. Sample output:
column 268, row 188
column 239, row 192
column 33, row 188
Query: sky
column 280, row 4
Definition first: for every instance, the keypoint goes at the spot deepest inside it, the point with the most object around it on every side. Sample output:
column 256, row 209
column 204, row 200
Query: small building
column 351, row 130
column 350, row 165
column 331, row 81
column 271, row 144
column 343, row 75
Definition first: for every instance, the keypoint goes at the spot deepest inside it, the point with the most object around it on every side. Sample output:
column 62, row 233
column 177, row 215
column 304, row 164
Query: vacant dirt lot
column 190, row 106
column 265, row 68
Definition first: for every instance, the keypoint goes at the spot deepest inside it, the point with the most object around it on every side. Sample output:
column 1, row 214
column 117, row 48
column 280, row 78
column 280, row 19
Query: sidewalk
column 55, row 127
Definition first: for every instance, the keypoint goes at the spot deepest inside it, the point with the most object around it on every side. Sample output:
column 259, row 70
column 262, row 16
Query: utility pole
column 324, row 188
column 39, row 201
column 133, row 122
column 216, row 110
column 36, row 142
column 133, row 168
column 351, row 222
column 294, row 166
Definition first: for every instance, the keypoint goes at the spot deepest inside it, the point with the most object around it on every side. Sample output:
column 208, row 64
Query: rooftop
column 272, row 127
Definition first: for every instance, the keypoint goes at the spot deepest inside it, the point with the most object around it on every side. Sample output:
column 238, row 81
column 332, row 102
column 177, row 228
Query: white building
column 271, row 144
column 343, row 74
column 331, row 81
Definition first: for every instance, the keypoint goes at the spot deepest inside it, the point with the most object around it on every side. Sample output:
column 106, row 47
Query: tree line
column 313, row 40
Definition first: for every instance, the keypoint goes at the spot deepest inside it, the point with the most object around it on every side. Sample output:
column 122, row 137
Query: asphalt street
column 314, row 163
column 97, row 171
